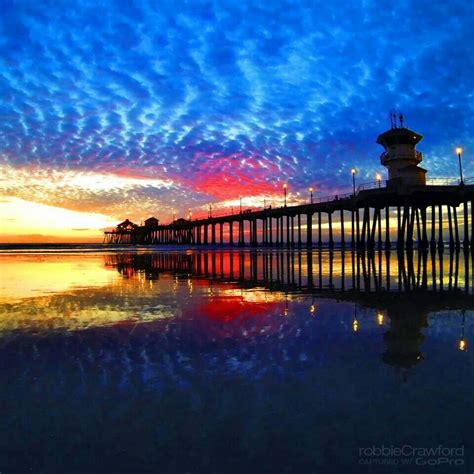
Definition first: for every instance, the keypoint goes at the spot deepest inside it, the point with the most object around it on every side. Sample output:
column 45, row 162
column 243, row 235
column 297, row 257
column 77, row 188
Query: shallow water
column 235, row 361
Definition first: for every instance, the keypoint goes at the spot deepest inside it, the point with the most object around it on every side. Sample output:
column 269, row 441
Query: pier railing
column 429, row 182
column 443, row 181
column 290, row 203
column 332, row 197
column 371, row 185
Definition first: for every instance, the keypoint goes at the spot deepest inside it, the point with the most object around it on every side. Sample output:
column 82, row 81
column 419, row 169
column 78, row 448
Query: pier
column 405, row 211
column 422, row 215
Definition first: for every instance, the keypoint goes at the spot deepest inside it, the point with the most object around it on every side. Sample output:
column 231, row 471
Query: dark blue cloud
column 276, row 91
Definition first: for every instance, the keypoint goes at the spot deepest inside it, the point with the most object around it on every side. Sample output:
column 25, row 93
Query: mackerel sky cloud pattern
column 150, row 107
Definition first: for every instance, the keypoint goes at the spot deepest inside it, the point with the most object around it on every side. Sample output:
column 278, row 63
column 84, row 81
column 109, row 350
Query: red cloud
column 229, row 177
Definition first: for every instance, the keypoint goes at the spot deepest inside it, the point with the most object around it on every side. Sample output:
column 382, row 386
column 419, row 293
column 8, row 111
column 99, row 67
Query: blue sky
column 126, row 109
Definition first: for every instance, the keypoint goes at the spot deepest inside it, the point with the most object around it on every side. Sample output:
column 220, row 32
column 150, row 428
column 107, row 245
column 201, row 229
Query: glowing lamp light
column 462, row 345
column 353, row 171
column 312, row 309
column 459, row 153
column 378, row 178
column 355, row 325
column 380, row 318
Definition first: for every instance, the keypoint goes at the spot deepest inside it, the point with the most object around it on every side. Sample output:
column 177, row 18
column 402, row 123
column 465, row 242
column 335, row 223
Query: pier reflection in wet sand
column 314, row 270
column 235, row 361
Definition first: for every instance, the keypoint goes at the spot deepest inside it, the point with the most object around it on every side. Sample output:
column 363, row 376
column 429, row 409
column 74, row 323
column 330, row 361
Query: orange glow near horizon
column 28, row 222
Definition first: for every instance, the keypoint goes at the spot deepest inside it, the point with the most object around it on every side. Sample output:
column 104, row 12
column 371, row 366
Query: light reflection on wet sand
column 232, row 361
column 80, row 291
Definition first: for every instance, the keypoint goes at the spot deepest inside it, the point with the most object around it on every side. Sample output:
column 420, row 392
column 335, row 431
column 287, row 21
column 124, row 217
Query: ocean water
column 221, row 361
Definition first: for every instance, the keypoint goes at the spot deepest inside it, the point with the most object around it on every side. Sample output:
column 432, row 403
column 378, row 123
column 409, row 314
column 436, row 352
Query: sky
column 127, row 109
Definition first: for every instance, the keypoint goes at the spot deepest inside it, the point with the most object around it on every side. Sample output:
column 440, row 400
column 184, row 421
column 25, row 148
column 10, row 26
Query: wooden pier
column 407, row 211
column 421, row 216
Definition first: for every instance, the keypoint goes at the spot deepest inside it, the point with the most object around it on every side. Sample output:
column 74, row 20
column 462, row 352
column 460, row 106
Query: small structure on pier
column 401, row 157
column 151, row 222
column 181, row 222
column 124, row 233
column 126, row 226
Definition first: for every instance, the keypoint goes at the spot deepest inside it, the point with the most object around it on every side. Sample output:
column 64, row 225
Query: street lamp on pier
column 311, row 194
column 459, row 153
column 353, row 171
column 284, row 191
column 210, row 210
column 189, row 214
column 241, row 204
column 378, row 178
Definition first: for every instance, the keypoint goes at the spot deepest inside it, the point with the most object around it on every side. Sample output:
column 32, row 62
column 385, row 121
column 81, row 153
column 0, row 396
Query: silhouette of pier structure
column 405, row 211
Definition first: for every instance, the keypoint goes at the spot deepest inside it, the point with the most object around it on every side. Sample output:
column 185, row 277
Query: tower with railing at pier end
column 400, row 156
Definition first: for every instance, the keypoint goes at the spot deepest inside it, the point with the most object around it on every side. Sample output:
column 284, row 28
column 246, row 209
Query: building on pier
column 124, row 233
column 151, row 222
column 181, row 222
column 126, row 226
column 401, row 157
